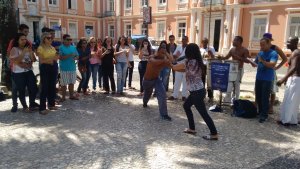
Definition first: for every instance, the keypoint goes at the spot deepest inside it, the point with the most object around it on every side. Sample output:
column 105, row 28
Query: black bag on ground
column 244, row 108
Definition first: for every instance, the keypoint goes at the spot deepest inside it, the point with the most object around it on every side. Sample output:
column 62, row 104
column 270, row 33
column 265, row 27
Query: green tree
column 8, row 29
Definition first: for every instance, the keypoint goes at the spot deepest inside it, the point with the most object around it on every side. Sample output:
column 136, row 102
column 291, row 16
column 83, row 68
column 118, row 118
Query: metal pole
column 209, row 19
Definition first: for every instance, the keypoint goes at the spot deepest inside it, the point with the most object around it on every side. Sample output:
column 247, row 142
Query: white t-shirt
column 205, row 52
column 14, row 53
column 122, row 56
column 131, row 52
column 182, row 54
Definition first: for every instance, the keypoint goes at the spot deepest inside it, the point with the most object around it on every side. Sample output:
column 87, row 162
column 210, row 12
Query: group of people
column 187, row 62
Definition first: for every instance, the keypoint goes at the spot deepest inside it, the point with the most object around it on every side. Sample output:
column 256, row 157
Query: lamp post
column 209, row 20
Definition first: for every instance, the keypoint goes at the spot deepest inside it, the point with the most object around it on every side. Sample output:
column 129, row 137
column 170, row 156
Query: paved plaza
column 108, row 132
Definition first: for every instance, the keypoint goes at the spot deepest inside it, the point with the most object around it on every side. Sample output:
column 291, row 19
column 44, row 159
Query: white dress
column 289, row 108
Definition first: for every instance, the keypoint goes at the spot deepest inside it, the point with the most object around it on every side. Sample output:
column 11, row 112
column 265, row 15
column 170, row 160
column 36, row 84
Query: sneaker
column 14, row 109
column 172, row 98
column 44, row 112
column 166, row 117
column 183, row 98
column 145, row 105
column 34, row 107
column 262, row 120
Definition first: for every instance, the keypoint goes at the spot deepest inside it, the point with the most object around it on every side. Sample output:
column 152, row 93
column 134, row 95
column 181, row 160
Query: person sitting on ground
column 194, row 67
column 289, row 109
column 151, row 79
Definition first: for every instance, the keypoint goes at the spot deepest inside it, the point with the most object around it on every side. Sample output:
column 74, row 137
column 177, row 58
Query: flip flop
column 189, row 131
column 209, row 137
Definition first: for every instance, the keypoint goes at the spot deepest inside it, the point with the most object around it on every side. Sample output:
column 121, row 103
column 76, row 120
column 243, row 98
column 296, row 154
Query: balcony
column 213, row 2
column 216, row 5
column 109, row 14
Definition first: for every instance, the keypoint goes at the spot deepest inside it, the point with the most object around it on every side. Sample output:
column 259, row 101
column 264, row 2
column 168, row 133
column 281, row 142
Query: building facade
column 218, row 20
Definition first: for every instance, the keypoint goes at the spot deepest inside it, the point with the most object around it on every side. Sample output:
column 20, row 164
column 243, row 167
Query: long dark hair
column 16, row 39
column 119, row 43
column 192, row 51
column 105, row 45
column 162, row 42
column 79, row 44
column 148, row 47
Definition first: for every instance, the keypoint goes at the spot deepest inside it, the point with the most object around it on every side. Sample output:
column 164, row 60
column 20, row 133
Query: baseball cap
column 268, row 36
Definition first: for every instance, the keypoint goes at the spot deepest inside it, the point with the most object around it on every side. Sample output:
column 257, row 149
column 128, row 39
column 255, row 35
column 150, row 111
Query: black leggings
column 197, row 98
column 108, row 73
column 130, row 72
column 142, row 71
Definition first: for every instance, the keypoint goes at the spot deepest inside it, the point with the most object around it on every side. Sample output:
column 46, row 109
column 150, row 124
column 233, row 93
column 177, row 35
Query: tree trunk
column 8, row 29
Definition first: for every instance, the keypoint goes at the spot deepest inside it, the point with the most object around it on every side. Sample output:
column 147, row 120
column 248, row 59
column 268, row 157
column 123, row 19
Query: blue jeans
column 100, row 76
column 262, row 95
column 23, row 80
column 85, row 77
column 164, row 76
column 161, row 94
column 121, row 68
column 196, row 98
column 94, row 70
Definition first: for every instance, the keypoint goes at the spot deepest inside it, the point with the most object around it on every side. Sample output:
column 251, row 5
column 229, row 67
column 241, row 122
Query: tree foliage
column 8, row 29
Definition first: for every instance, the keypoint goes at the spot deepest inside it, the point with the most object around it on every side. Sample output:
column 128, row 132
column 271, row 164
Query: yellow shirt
column 46, row 53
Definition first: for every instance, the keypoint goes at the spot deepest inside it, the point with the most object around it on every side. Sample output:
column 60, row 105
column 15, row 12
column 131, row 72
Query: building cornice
column 67, row 15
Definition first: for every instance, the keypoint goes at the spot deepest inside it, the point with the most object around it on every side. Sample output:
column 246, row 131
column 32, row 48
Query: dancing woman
column 193, row 67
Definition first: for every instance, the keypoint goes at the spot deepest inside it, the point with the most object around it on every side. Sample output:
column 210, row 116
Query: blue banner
column 219, row 76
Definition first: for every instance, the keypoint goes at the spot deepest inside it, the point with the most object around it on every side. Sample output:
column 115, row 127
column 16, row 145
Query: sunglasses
column 49, row 38
column 68, row 39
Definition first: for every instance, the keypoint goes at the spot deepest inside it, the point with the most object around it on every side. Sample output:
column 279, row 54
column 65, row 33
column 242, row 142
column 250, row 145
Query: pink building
column 220, row 21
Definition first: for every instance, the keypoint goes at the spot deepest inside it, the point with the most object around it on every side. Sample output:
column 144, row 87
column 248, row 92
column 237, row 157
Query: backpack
column 244, row 108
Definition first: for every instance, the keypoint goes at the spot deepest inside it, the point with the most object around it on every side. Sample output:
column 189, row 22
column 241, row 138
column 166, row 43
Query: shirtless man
column 290, row 105
column 240, row 54
column 151, row 79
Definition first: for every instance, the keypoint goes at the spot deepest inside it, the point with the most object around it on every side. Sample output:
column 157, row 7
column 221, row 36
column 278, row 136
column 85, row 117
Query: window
column 127, row 30
column 128, row 4
column 181, row 29
column 33, row 1
column 72, row 4
column 56, row 26
column 259, row 28
column 111, row 5
column 111, row 31
column 162, row 2
column 53, row 2
column 89, row 31
column 144, row 3
column 88, row 5
column 294, row 26
column 161, row 26
column 144, row 30
column 73, row 31
column 182, row 1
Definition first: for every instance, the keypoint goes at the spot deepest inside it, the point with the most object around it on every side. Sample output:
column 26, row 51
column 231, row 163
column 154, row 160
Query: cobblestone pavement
column 107, row 132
